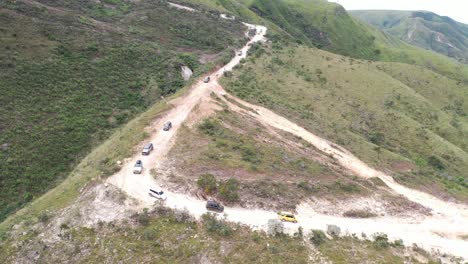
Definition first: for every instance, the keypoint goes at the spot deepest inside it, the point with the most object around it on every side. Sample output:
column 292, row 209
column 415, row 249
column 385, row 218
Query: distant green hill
column 423, row 29
column 330, row 27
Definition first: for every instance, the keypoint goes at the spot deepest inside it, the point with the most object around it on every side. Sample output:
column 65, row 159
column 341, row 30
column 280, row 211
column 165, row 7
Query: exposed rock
column 333, row 230
column 275, row 226
column 186, row 72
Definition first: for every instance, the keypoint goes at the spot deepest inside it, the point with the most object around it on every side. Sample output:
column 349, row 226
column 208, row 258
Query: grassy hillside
column 328, row 26
column 395, row 116
column 72, row 71
column 423, row 29
column 254, row 168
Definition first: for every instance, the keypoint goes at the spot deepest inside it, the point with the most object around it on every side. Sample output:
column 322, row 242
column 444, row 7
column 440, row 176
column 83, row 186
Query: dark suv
column 167, row 126
column 214, row 206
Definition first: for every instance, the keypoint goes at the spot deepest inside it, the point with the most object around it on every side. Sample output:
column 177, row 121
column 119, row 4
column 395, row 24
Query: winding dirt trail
column 440, row 232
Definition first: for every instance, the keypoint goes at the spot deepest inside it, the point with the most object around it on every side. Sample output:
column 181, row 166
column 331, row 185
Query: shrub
column 149, row 234
column 207, row 182
column 435, row 162
column 215, row 226
column 211, row 127
column 318, row 237
column 249, row 154
column 380, row 240
column 299, row 233
column 143, row 218
column 359, row 214
column 44, row 217
column 183, row 216
column 275, row 227
column 228, row 190
column 305, row 186
column 398, row 243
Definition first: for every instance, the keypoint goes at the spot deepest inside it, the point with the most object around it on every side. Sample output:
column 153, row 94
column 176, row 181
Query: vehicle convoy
column 214, row 206
column 167, row 126
column 207, row 79
column 147, row 149
column 138, row 167
column 158, row 195
column 287, row 217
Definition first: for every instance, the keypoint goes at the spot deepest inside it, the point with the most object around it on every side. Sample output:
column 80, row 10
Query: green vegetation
column 216, row 226
column 74, row 71
column 228, row 154
column 349, row 249
column 318, row 237
column 228, row 190
column 320, row 23
column 328, row 26
column 231, row 149
column 225, row 190
column 423, row 29
column 207, row 182
column 89, row 171
column 401, row 117
column 165, row 236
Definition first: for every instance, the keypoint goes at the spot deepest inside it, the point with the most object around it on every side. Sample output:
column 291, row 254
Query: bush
column 275, row 227
column 44, row 217
column 207, row 182
column 398, row 243
column 359, row 214
column 143, row 218
column 299, row 233
column 249, row 153
column 436, row 163
column 149, row 234
column 183, row 216
column 318, row 237
column 228, row 190
column 211, row 127
column 215, row 226
column 380, row 240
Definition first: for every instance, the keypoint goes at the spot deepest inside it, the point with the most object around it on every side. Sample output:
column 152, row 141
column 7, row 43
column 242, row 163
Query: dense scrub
column 72, row 71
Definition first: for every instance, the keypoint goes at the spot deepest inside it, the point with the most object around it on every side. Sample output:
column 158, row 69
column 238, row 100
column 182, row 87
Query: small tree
column 380, row 240
column 318, row 237
column 228, row 190
column 207, row 182
column 216, row 226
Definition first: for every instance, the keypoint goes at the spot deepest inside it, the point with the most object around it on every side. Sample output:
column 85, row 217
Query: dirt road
column 439, row 232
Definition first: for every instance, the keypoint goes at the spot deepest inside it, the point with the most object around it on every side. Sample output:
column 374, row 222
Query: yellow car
column 287, row 217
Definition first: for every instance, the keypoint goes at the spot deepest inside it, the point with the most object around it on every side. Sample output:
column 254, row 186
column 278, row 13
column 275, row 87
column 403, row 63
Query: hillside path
column 438, row 232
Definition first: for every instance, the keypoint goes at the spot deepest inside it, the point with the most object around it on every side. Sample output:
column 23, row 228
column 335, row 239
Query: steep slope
column 328, row 26
column 73, row 71
column 423, row 29
column 100, row 202
column 394, row 116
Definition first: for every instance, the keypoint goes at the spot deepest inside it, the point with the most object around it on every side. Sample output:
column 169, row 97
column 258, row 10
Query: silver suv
column 147, row 149
column 138, row 167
